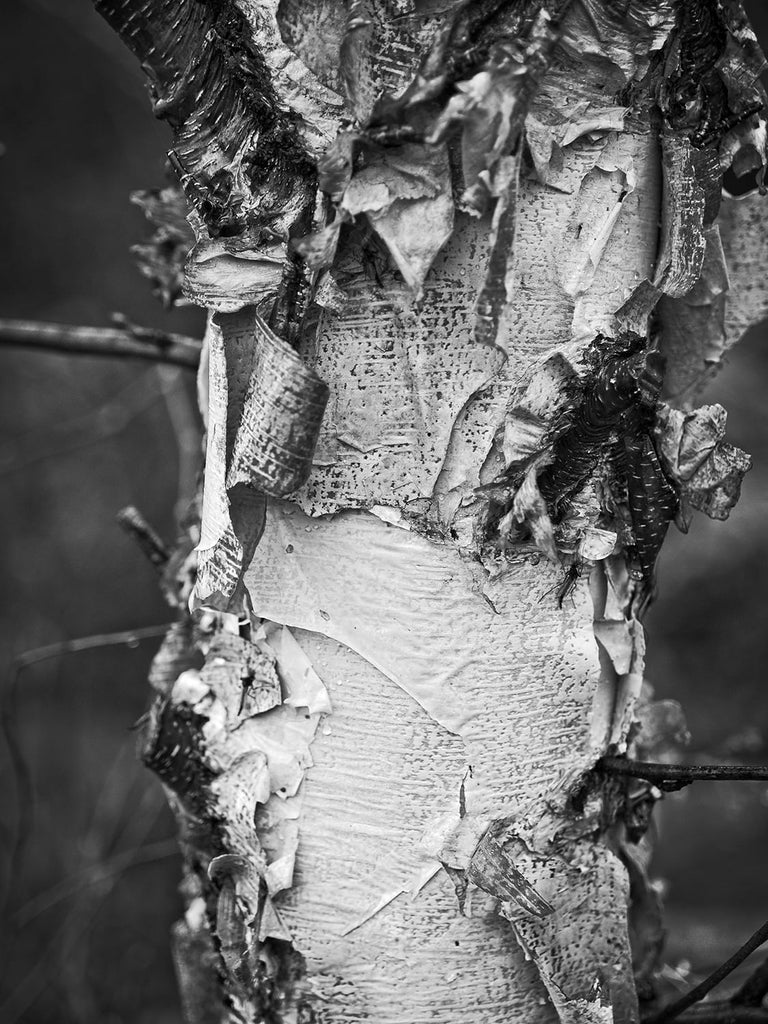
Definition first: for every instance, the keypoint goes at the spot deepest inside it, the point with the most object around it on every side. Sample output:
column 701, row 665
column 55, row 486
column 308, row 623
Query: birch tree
column 468, row 267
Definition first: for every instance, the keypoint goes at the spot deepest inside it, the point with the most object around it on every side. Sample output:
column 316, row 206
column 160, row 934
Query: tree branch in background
column 729, row 1013
column 754, row 989
column 675, row 776
column 129, row 637
column 137, row 527
column 125, row 341
column 93, row 874
column 723, row 1013
column 19, row 831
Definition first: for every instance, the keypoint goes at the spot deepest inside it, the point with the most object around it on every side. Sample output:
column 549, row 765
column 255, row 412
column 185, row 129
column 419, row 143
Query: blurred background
column 85, row 935
column 92, row 897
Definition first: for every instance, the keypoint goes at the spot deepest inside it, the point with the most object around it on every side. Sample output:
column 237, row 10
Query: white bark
column 384, row 780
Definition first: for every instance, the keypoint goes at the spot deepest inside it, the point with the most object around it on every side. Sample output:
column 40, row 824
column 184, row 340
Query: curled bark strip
column 265, row 412
column 282, row 412
column 492, row 870
column 226, row 871
column 683, row 241
column 716, row 487
column 220, row 568
column 623, row 36
column 728, row 299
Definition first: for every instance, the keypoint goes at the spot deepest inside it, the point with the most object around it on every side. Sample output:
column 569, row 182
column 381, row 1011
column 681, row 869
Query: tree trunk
column 448, row 251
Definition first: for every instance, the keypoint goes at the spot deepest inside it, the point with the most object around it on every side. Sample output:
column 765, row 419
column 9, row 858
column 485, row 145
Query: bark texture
column 468, row 266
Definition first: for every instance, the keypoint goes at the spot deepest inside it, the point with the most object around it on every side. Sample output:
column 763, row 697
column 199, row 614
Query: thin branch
column 125, row 341
column 149, row 542
column 93, row 875
column 20, row 772
column 675, row 776
column 185, row 423
column 82, row 431
column 754, row 989
column 129, row 637
column 723, row 1013
column 674, row 1010
column 64, row 943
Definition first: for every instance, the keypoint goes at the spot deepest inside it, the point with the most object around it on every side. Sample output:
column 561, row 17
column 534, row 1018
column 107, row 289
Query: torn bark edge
column 232, row 929
column 491, row 870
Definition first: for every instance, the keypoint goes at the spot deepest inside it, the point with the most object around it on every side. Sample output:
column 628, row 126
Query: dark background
column 91, row 899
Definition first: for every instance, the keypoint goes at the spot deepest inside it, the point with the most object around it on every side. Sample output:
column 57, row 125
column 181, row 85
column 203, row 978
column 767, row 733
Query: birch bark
column 442, row 246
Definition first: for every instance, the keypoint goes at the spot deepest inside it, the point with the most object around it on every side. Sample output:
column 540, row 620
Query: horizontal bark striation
column 211, row 84
column 507, row 683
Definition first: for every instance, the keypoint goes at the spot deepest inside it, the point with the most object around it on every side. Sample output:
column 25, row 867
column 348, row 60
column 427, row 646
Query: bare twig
column 674, row 1010
column 69, row 941
column 123, row 341
column 754, row 989
column 723, row 1013
column 675, row 776
column 20, row 772
column 151, row 545
column 93, row 875
column 75, row 433
column 129, row 637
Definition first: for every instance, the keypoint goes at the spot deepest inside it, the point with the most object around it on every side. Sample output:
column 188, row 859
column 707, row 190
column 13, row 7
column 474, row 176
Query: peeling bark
column 467, row 267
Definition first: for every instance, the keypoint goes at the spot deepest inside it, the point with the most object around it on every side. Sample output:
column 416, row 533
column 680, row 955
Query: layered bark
column 442, row 247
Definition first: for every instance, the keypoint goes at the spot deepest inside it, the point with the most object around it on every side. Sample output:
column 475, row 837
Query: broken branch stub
column 431, row 242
